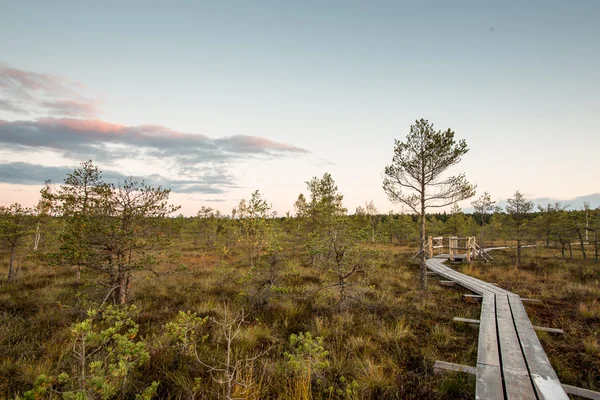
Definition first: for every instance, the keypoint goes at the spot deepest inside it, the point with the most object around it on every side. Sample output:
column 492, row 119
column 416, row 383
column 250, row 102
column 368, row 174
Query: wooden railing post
column 469, row 249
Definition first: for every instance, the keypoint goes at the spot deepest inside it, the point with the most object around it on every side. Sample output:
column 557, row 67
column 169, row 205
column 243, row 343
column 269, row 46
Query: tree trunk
column 36, row 241
column 423, row 272
column 518, row 253
column 123, row 283
column 596, row 246
column 562, row 248
column 581, row 242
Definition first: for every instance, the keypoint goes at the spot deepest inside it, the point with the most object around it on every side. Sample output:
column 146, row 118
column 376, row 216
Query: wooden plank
column 489, row 378
column 487, row 348
column 506, row 338
column 588, row 394
column 549, row 330
column 548, row 389
column 545, row 380
column 466, row 320
column 488, row 306
column 442, row 366
column 475, row 322
column 472, row 322
column 514, row 369
column 463, row 280
column 532, row 301
column 489, row 383
column 448, row 283
column 488, row 352
column 466, row 281
column 518, row 384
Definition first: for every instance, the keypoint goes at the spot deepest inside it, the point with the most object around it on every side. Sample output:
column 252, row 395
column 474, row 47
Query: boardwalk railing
column 458, row 248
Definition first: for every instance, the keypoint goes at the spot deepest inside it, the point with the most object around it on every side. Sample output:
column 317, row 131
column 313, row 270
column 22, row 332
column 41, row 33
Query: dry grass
column 382, row 346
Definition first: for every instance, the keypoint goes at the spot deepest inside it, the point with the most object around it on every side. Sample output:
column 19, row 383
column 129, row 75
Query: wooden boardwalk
column 511, row 363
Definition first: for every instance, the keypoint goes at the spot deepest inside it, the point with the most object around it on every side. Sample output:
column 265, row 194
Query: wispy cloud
column 97, row 139
column 71, row 108
column 34, row 174
column 26, row 92
column 72, row 131
column 12, row 107
column 253, row 144
column 203, row 161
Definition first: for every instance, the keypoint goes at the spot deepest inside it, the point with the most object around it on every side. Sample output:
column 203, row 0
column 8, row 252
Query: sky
column 218, row 99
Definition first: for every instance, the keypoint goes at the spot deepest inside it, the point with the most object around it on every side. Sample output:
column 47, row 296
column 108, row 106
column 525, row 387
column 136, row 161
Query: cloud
column 105, row 141
column 12, row 107
column 253, row 144
column 25, row 92
column 34, row 174
column 73, row 132
column 71, row 108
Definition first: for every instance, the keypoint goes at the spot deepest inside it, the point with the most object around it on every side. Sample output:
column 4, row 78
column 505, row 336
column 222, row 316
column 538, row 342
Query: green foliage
column 367, row 354
column 264, row 279
column 105, row 353
column 256, row 226
column 115, row 230
column 346, row 389
column 308, row 356
column 368, row 215
column 185, row 331
column 206, row 226
column 416, row 176
column 484, row 207
column 16, row 226
column 400, row 227
column 518, row 209
column 550, row 223
column 319, row 216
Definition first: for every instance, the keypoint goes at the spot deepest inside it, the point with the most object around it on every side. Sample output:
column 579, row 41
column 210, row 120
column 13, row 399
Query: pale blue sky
column 520, row 81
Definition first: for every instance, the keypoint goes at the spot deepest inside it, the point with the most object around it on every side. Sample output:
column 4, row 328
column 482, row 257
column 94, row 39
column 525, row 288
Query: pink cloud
column 244, row 143
column 83, row 125
column 85, row 135
column 71, row 108
column 23, row 92
column 28, row 80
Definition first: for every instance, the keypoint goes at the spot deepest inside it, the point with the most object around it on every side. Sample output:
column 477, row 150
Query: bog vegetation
column 107, row 294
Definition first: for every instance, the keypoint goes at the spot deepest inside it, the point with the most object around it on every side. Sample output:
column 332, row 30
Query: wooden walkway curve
column 511, row 363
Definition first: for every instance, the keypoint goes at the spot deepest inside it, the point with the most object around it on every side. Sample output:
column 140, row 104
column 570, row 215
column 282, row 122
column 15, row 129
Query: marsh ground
column 381, row 344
